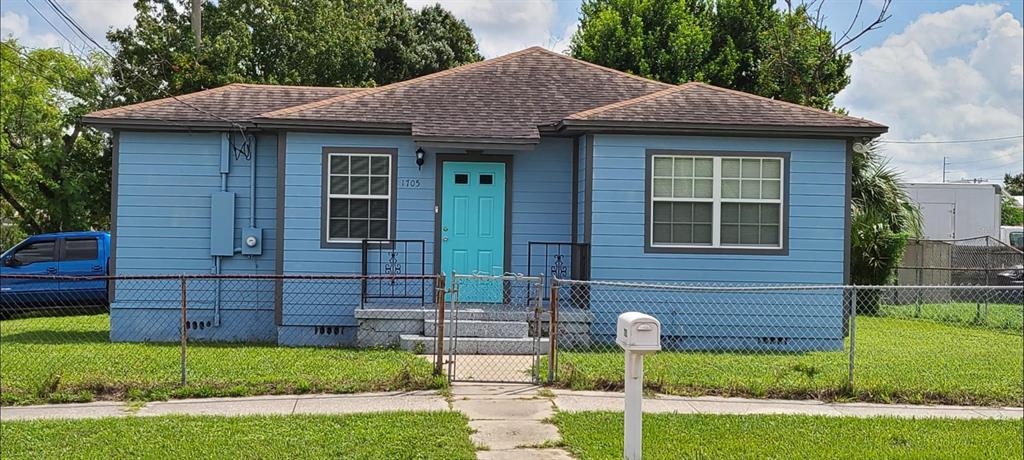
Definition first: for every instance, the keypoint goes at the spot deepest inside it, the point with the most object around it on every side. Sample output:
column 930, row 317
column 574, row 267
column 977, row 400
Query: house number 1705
column 409, row 183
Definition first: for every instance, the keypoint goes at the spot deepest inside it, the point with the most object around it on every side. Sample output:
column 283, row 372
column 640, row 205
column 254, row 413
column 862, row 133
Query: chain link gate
column 492, row 329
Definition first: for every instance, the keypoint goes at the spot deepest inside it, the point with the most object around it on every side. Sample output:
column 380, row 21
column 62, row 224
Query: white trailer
column 956, row 211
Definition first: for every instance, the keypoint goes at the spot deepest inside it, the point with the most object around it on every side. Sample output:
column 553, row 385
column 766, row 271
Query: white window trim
column 717, row 200
column 388, row 197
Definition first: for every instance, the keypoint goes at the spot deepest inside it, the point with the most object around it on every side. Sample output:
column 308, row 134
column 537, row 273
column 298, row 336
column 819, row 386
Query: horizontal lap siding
column 541, row 199
column 816, row 222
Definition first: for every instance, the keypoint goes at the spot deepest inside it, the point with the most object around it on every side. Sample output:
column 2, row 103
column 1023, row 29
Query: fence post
column 439, row 358
column 853, row 334
column 184, row 329
column 553, row 332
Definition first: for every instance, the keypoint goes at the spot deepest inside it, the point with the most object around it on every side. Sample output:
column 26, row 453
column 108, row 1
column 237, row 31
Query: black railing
column 384, row 258
column 558, row 260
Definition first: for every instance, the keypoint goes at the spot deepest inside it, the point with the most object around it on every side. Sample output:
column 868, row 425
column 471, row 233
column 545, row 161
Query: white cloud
column 15, row 25
column 501, row 26
column 96, row 17
column 956, row 74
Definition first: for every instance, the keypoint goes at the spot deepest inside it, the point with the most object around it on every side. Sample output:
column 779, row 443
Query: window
column 80, row 249
column 715, row 201
column 40, row 251
column 358, row 197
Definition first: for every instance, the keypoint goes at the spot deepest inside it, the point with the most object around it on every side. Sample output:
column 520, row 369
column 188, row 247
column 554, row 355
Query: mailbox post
column 638, row 334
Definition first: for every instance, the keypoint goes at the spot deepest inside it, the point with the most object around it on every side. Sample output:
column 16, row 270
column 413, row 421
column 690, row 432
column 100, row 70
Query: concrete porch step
column 470, row 328
column 482, row 315
column 476, row 345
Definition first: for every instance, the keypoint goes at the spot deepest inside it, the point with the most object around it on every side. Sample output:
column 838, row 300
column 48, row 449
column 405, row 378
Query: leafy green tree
column 1011, row 214
column 55, row 172
column 313, row 42
column 1014, row 184
column 747, row 45
column 883, row 218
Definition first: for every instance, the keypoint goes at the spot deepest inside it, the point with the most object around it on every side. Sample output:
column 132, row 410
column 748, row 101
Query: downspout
column 225, row 150
column 251, row 147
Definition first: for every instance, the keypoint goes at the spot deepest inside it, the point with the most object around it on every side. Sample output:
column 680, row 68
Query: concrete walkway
column 492, row 397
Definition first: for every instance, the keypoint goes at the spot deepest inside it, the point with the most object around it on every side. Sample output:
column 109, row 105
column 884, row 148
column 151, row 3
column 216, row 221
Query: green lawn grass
column 598, row 435
column 405, row 435
column 65, row 359
column 896, row 360
column 1008, row 318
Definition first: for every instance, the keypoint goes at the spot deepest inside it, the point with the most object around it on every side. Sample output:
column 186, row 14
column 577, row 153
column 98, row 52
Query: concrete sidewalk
column 506, row 399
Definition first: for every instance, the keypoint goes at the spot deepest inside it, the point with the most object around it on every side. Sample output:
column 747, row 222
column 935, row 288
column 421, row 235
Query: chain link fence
column 909, row 344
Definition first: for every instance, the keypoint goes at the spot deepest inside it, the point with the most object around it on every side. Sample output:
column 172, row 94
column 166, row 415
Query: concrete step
column 476, row 345
column 492, row 329
column 483, row 315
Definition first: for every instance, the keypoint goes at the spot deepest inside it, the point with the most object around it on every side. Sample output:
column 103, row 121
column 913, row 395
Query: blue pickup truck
column 78, row 254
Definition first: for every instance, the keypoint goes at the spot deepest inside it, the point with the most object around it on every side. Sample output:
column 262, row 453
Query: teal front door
column 473, row 226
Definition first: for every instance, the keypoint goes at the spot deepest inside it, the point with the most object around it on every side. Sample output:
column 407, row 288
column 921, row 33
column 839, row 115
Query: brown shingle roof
column 503, row 98
column 701, row 103
column 507, row 99
column 234, row 103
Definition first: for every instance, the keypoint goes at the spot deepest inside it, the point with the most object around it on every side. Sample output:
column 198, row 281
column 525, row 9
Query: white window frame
column 330, row 196
column 717, row 200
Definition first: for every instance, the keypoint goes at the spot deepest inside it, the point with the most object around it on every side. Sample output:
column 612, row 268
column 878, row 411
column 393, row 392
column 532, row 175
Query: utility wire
column 955, row 141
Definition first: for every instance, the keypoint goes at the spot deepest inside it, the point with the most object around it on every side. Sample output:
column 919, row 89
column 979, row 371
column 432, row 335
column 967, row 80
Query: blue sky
column 937, row 70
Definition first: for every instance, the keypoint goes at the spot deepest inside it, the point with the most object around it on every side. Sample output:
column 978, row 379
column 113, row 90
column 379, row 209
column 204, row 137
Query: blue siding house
column 471, row 170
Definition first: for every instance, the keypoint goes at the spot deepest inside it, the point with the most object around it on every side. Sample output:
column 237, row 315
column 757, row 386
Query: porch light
column 419, row 157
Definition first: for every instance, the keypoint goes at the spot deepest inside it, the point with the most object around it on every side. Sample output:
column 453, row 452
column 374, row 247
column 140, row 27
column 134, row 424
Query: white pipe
column 252, row 183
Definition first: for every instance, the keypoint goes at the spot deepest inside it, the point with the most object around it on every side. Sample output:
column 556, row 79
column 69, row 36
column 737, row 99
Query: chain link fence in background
column 981, row 261
column 914, row 344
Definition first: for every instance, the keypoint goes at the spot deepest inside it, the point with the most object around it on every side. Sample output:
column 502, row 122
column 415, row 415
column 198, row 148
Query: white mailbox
column 638, row 333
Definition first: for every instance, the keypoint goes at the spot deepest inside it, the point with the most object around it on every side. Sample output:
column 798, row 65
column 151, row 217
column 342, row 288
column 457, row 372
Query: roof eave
column 570, row 126
column 334, row 125
column 476, row 143
column 105, row 123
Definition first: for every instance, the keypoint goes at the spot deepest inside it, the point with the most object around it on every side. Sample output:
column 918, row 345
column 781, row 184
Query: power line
column 71, row 43
column 954, row 141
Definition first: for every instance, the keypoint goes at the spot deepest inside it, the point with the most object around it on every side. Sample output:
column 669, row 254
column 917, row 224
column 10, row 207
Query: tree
column 1011, row 212
column 55, row 172
column 747, row 45
column 882, row 218
column 314, row 42
column 1014, row 184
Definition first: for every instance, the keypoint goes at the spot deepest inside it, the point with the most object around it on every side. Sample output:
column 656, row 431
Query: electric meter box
column 252, row 241
column 638, row 332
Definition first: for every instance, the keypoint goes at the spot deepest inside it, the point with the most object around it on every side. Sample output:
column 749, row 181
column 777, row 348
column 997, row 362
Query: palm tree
column 883, row 218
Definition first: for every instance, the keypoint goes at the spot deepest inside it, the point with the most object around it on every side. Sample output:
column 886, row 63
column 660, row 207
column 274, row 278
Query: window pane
column 702, row 212
column 359, row 209
column 486, row 179
column 749, row 213
column 730, row 234
column 339, row 207
column 359, row 229
column 703, row 167
column 682, row 233
column 662, row 211
column 730, row 168
column 462, row 178
column 730, row 188
column 339, row 164
column 379, row 185
column 684, row 167
column 662, row 233
column 769, row 214
column 663, row 188
column 379, row 165
column 35, row 252
column 770, row 234
column 770, row 189
column 730, row 213
column 663, row 166
column 360, row 185
column 683, row 188
column 750, row 189
column 360, row 164
column 751, row 168
column 338, row 229
column 772, row 169
column 379, row 229
column 702, row 234
column 339, row 185
column 81, row 249
column 379, row 209
column 682, row 212
column 749, row 234
column 702, row 188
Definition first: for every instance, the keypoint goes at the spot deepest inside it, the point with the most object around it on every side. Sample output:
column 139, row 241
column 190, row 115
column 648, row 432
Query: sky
column 936, row 71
